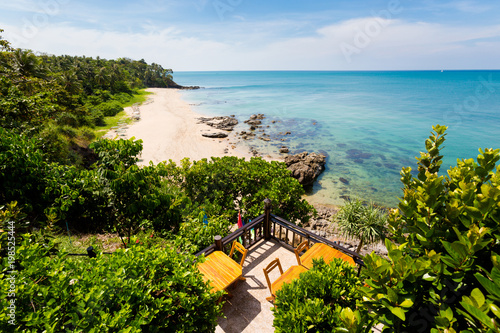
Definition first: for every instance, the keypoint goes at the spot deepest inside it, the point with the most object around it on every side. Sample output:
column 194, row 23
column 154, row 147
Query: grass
column 80, row 242
column 138, row 98
column 107, row 242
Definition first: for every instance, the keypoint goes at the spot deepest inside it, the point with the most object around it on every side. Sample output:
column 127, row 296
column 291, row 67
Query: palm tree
column 69, row 80
column 27, row 64
column 365, row 223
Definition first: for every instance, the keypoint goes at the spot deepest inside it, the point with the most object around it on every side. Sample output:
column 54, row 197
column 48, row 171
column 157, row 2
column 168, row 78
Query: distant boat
column 442, row 71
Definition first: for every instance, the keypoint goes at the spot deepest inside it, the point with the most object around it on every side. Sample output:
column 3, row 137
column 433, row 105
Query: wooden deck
column 248, row 310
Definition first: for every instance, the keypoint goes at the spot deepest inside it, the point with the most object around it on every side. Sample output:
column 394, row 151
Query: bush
column 197, row 235
column 114, row 152
column 365, row 223
column 315, row 301
column 133, row 290
column 111, row 108
column 86, row 133
column 23, row 169
column 55, row 142
column 95, row 117
column 68, row 119
column 123, row 97
column 437, row 279
column 230, row 184
column 98, row 97
column 134, row 195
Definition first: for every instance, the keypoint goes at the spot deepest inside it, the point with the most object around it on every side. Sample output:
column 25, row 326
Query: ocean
column 369, row 124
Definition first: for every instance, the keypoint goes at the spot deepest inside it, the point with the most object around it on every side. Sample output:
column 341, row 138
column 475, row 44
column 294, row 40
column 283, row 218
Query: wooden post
column 218, row 243
column 267, row 219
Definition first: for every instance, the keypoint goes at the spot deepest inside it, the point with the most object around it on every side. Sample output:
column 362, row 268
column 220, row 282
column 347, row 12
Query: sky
column 214, row 35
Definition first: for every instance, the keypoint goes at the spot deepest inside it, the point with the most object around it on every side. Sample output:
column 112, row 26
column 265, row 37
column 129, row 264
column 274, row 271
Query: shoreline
column 170, row 130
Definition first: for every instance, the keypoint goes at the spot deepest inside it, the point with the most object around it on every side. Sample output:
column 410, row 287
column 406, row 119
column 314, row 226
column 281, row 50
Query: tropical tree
column 4, row 44
column 26, row 64
column 365, row 223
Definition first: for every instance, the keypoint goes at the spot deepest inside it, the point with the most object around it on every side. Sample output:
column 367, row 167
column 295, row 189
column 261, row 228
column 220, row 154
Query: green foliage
column 133, row 290
column 13, row 223
column 4, row 44
column 22, row 172
column 72, row 91
column 114, row 152
column 315, row 302
column 55, row 142
column 198, row 235
column 230, row 184
column 449, row 236
column 365, row 223
column 21, row 110
column 482, row 312
column 136, row 197
column 111, row 108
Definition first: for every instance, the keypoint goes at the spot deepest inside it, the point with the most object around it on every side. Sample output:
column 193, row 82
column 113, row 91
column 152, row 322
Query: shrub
column 123, row 97
column 68, row 119
column 110, row 108
column 134, row 195
column 96, row 117
column 87, row 133
column 133, row 290
column 197, row 235
column 314, row 302
column 98, row 97
column 365, row 223
column 22, row 172
column 230, row 184
column 437, row 279
column 114, row 152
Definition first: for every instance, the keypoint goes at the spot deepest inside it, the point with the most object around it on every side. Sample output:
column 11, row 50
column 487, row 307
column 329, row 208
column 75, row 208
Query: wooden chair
column 272, row 265
column 302, row 246
column 241, row 249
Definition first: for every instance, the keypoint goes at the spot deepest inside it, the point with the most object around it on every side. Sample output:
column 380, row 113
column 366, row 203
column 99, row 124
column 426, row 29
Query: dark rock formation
column 356, row 154
column 306, row 167
column 178, row 86
column 253, row 122
column 284, row 150
column 257, row 116
column 343, row 180
column 254, row 151
column 222, row 123
column 215, row 135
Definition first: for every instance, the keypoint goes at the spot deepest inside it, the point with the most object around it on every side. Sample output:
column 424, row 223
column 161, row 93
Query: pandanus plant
column 366, row 223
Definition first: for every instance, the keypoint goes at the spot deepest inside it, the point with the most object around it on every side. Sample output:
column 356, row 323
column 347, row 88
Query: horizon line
column 338, row 70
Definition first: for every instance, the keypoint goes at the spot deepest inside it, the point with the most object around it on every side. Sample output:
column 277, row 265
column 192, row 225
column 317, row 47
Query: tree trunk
column 359, row 247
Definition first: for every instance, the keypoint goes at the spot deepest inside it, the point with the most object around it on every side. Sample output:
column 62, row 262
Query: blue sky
column 264, row 35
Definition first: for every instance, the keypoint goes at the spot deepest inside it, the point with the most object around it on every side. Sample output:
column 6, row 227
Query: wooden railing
column 290, row 236
column 248, row 235
column 269, row 226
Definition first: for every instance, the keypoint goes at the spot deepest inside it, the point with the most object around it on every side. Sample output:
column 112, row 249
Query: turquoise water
column 370, row 124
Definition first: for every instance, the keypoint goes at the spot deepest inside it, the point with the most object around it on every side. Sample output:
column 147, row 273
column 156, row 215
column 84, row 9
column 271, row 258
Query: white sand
column 169, row 130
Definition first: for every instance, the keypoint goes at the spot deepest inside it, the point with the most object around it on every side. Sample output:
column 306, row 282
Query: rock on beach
column 306, row 167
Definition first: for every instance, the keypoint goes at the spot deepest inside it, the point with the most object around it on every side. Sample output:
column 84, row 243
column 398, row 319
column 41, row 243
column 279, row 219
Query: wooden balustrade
column 269, row 226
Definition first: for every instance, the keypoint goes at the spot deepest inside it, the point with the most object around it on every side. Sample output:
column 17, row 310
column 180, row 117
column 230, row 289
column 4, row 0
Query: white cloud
column 375, row 43
column 470, row 7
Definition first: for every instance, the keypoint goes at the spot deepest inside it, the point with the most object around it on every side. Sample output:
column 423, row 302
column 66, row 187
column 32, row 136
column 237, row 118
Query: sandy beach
column 170, row 130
